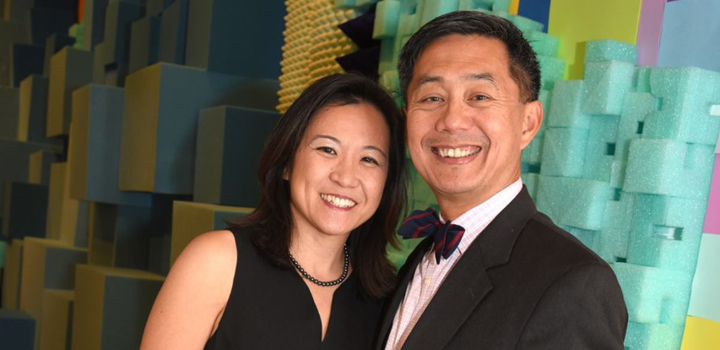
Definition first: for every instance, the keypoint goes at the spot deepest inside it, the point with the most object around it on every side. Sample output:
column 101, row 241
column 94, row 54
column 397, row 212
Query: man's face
column 466, row 123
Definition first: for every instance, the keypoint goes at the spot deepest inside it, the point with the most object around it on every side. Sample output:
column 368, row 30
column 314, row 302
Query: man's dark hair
column 271, row 223
column 524, row 68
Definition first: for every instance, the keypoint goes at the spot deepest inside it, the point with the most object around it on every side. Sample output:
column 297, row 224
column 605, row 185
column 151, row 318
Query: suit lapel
column 405, row 275
column 468, row 283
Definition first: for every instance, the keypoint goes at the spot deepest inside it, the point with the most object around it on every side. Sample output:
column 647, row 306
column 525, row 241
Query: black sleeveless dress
column 271, row 308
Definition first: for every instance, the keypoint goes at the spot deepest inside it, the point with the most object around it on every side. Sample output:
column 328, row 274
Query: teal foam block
column 54, row 43
column 669, row 167
column 24, row 61
column 703, row 301
column 33, row 111
column 26, row 210
column 610, row 50
column 119, row 16
column 654, row 295
column 530, row 181
column 589, row 238
column 43, row 22
column 642, row 79
column 15, row 156
column 387, row 16
column 93, row 23
column 601, row 148
column 687, row 95
column 666, row 232
column 532, row 154
column 229, row 143
column 636, row 107
column 10, row 32
column 120, row 235
column 16, row 10
column 9, row 112
column 606, row 84
column 160, row 117
column 616, row 226
column 526, row 25
column 98, row 66
column 160, row 238
column 574, row 202
column 487, row 5
column 653, row 336
column 94, row 156
column 17, row 329
column 172, row 32
column 542, row 43
column 214, row 42
column 566, row 110
column 432, row 9
column 564, row 152
column 61, row 85
column 156, row 7
column 551, row 70
column 144, row 41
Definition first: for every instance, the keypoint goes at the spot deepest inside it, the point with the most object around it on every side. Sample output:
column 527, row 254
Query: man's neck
column 453, row 206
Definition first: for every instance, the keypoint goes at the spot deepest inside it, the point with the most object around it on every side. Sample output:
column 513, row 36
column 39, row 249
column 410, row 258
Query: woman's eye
column 327, row 150
column 370, row 160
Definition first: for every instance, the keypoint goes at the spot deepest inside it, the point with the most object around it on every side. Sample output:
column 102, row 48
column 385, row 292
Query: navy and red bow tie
column 446, row 236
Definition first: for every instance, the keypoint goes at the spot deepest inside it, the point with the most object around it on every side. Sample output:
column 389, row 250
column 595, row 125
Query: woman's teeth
column 457, row 152
column 338, row 202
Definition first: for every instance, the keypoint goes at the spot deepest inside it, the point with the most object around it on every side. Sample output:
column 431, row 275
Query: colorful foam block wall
column 126, row 134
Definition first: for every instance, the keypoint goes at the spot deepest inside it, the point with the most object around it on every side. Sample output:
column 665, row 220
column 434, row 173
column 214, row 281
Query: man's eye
column 432, row 99
column 370, row 160
column 479, row 97
column 327, row 150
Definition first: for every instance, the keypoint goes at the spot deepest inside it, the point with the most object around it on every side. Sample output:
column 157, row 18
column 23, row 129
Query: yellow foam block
column 701, row 334
column 190, row 219
column 62, row 214
column 56, row 319
column 111, row 306
column 11, row 275
column 578, row 21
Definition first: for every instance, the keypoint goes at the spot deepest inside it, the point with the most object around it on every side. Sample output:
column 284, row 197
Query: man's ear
column 532, row 119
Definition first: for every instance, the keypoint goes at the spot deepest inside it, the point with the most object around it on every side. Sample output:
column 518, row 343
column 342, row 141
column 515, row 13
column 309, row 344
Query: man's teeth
column 457, row 152
column 338, row 202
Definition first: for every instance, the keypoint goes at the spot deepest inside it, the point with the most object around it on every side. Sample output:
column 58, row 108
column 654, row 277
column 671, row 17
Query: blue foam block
column 26, row 211
column 156, row 7
column 654, row 295
column 666, row 232
column 17, row 329
column 9, row 112
column 15, row 157
column 564, row 152
column 172, row 32
column 574, row 202
column 669, row 167
column 121, row 235
column 10, row 32
column 118, row 17
column 686, row 96
column 537, row 10
column 214, row 43
column 606, row 84
column 144, row 41
column 24, row 61
column 93, row 23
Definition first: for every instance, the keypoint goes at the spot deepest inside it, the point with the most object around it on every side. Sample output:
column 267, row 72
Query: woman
column 307, row 269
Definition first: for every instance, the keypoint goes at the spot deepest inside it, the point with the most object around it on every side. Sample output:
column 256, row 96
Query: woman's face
column 339, row 170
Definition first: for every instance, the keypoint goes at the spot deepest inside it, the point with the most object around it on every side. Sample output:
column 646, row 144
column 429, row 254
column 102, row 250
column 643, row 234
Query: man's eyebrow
column 429, row 79
column 481, row 76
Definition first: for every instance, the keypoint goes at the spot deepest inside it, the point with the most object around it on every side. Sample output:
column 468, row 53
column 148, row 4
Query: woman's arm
column 193, row 297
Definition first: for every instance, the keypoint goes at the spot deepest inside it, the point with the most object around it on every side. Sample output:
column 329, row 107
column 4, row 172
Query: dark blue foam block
column 118, row 19
column 172, row 32
column 156, row 7
column 93, row 22
column 44, row 22
column 115, row 74
column 24, row 61
column 537, row 10
column 16, row 10
column 144, row 43
column 225, row 170
column 162, row 209
column 17, row 330
column 27, row 210
column 54, row 43
column 235, row 37
column 9, row 106
column 127, row 230
column 67, row 5
column 15, row 158
column 10, row 32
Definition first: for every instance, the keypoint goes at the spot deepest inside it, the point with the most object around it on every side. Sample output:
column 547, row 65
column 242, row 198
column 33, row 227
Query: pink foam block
column 649, row 31
column 712, row 216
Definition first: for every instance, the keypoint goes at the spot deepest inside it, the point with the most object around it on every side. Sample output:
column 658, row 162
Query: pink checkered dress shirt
column 429, row 275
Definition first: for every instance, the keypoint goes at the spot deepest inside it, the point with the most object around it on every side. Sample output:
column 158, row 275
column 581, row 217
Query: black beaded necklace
column 321, row 283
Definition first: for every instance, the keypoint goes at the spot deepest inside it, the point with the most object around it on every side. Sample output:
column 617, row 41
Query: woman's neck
column 322, row 256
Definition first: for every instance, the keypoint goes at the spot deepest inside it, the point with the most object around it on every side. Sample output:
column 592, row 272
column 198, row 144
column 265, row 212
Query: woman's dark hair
column 524, row 68
column 272, row 222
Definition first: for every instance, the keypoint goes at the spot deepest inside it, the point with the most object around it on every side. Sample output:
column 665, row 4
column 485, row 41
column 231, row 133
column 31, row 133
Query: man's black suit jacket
column 523, row 283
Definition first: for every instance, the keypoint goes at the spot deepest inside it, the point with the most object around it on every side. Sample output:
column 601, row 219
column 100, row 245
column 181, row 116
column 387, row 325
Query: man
column 515, row 280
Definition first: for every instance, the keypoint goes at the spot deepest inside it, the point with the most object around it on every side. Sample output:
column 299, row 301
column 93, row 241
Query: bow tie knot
column 446, row 236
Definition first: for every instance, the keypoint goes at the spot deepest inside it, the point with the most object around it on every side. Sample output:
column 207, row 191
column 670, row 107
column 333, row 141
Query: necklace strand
column 321, row 283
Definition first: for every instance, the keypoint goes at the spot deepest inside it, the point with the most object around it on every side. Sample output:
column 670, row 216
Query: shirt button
column 427, row 281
